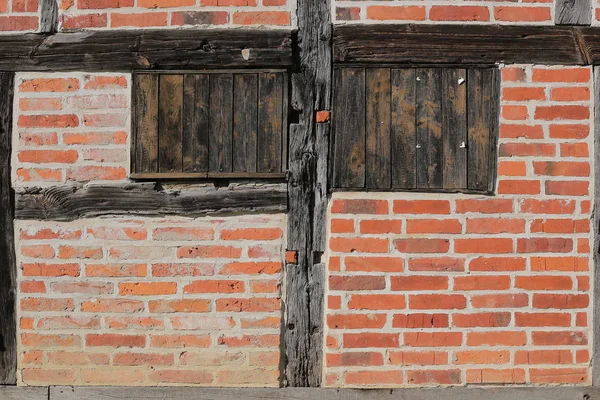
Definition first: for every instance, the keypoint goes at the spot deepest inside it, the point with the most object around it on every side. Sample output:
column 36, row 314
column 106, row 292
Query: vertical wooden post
column 573, row 12
column 8, row 323
column 308, row 166
column 48, row 16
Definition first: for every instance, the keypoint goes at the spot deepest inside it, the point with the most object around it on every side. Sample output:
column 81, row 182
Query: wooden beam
column 24, row 393
column 308, row 165
column 573, row 12
column 449, row 393
column 68, row 203
column 145, row 50
column 456, row 44
column 48, row 16
column 8, row 268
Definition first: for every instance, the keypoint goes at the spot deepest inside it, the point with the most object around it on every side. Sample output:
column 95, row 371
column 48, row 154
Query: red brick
column 541, row 320
column 354, row 359
column 437, row 377
column 553, row 113
column 355, row 321
column 519, row 187
column 377, row 302
column 352, row 283
column 560, row 301
column 115, row 340
column 556, row 376
column 361, row 245
column 559, row 338
column 361, row 340
column 523, row 93
column 432, row 339
column 569, row 131
column 500, row 301
column 527, row 150
column 421, row 207
column 487, row 320
column 399, row 13
column 433, row 226
column 496, row 338
column 380, row 226
column 440, row 264
column 459, row 13
column 359, row 207
column 484, row 206
column 420, row 320
column 493, row 225
column 496, row 376
column 484, row 246
column 517, row 131
column 436, row 301
column 416, row 282
column 522, row 14
column 374, row 264
column 481, row 357
column 422, row 245
column 548, row 206
column 544, row 245
column 574, row 75
column 481, row 282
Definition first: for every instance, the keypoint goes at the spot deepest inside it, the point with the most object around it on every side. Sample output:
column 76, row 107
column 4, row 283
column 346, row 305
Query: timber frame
column 309, row 55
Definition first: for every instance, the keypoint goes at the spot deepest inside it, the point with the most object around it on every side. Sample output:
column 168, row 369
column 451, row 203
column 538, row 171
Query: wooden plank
column 455, row 44
column 429, row 128
column 349, row 129
column 170, row 123
column 8, row 265
column 145, row 123
column 220, row 146
column 69, row 203
column 23, row 393
column 196, row 102
column 573, row 12
column 454, row 128
column 378, row 118
column 404, row 129
column 205, row 393
column 596, row 229
column 270, row 111
column 146, row 49
column 48, row 16
column 209, row 175
column 305, row 280
column 482, row 116
column 245, row 122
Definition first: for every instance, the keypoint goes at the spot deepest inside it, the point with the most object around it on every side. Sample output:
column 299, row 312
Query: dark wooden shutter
column 210, row 125
column 423, row 129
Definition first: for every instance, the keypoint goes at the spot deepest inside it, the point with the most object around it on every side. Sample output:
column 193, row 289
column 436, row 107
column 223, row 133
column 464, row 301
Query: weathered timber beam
column 48, row 16
column 8, row 268
column 185, row 393
column 68, row 203
column 457, row 44
column 304, row 280
column 146, row 50
column 573, row 12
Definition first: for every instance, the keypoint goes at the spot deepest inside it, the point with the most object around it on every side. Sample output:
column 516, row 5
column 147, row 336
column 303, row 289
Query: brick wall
column 429, row 289
column 70, row 127
column 123, row 14
column 170, row 301
column 18, row 15
column 446, row 11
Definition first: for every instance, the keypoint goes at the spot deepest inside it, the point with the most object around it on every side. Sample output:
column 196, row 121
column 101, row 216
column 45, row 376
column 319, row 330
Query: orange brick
column 377, row 302
column 147, row 288
column 432, row 339
column 496, row 338
column 359, row 207
column 422, row 245
column 355, row 321
column 459, row 13
column 522, row 14
column 398, row 13
column 436, row 301
column 416, row 282
column 433, row 226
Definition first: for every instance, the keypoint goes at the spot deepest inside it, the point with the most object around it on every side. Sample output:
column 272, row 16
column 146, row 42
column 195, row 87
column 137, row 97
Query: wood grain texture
column 308, row 153
column 270, row 111
column 170, row 123
column 378, row 117
column 48, row 16
column 196, row 104
column 573, row 12
column 8, row 266
column 349, row 157
column 454, row 128
column 429, row 128
column 24, row 393
column 126, row 50
column 186, row 393
column 455, row 44
column 68, row 203
column 144, row 125
column 221, row 123
column 245, row 123
column 482, row 116
column 403, row 129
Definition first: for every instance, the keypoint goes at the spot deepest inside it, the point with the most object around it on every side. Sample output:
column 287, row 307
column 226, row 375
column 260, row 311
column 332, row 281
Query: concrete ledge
column 196, row 393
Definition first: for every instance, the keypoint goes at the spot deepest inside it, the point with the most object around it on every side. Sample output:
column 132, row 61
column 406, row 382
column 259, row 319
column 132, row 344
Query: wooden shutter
column 210, row 125
column 425, row 129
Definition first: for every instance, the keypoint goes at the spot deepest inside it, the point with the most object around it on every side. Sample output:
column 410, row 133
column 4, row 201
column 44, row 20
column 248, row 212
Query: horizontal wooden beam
column 68, row 203
column 465, row 44
column 183, row 393
column 146, row 49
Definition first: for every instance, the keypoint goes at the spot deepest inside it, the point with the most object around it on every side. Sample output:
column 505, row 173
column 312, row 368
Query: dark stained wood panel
column 403, row 128
column 270, row 111
column 245, row 122
column 456, row 44
column 8, row 264
column 170, row 123
column 429, row 129
column 418, row 129
column 145, row 123
column 349, row 123
column 454, row 128
column 378, row 110
column 196, row 102
column 221, row 123
column 482, row 111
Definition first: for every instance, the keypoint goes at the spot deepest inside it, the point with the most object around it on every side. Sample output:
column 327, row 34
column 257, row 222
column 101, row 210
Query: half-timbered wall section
column 429, row 289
